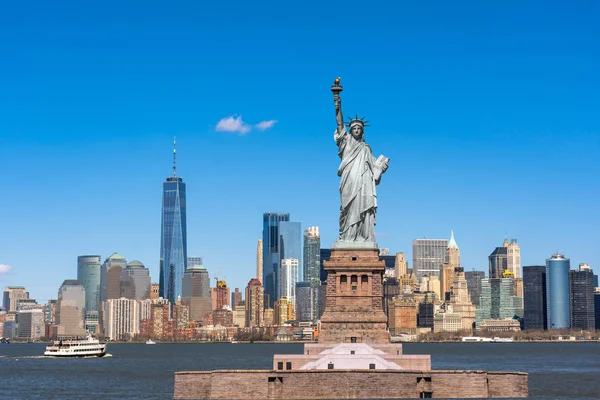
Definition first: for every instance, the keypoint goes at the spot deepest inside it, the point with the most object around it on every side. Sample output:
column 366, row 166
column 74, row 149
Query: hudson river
column 139, row 371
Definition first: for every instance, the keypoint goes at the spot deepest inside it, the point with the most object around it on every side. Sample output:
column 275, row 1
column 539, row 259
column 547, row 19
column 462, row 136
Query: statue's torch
column 336, row 89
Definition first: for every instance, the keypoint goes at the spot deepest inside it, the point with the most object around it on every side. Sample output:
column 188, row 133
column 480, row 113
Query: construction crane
column 220, row 285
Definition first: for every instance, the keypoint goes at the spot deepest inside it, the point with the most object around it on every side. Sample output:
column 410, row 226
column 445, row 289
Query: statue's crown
column 357, row 121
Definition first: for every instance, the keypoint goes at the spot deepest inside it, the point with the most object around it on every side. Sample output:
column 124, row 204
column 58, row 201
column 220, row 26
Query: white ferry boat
column 88, row 347
column 150, row 341
column 475, row 339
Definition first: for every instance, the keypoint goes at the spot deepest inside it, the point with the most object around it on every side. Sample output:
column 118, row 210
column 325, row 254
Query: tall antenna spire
column 174, row 157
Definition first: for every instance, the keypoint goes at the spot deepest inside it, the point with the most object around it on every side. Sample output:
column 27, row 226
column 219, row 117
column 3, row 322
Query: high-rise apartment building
column 236, row 298
column 557, row 292
column 121, row 318
column 534, row 297
column 89, row 271
column 11, row 295
column 582, row 299
column 70, row 308
column 428, row 257
column 173, row 237
column 254, row 304
column 272, row 254
column 135, row 281
column 259, row 260
column 110, row 277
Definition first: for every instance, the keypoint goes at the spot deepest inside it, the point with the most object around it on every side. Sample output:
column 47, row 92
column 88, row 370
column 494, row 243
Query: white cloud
column 5, row 269
column 264, row 125
column 233, row 124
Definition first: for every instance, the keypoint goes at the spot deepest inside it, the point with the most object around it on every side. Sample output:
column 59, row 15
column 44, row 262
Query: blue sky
column 487, row 110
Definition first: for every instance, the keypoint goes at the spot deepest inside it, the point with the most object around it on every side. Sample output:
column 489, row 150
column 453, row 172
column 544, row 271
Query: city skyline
column 87, row 140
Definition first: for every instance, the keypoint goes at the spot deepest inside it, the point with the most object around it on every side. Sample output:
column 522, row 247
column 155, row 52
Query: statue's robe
column 357, row 189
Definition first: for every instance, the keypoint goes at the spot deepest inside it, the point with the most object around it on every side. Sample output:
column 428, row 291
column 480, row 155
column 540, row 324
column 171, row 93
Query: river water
column 139, row 371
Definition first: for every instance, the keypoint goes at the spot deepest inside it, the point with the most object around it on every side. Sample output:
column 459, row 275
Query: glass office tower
column 173, row 239
column 272, row 255
column 88, row 274
column 557, row 292
column 534, row 293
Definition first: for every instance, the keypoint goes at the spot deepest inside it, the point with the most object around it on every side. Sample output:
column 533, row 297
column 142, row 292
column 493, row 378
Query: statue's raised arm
column 359, row 174
column 337, row 89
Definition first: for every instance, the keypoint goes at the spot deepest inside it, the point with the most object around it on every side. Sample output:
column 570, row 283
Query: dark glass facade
column 272, row 255
column 324, row 255
column 305, row 301
column 534, row 297
column 582, row 300
column 474, row 285
column 498, row 262
column 173, row 239
column 597, row 310
column 557, row 292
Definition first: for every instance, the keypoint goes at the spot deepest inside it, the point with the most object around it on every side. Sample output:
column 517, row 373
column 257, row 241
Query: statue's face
column 357, row 132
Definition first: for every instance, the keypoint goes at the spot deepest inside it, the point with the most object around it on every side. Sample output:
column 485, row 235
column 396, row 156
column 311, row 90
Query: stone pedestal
column 354, row 308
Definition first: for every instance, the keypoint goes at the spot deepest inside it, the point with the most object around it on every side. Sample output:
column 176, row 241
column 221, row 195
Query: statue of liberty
column 360, row 172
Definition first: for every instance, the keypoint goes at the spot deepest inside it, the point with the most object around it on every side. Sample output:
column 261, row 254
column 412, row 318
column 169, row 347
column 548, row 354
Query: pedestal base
column 354, row 306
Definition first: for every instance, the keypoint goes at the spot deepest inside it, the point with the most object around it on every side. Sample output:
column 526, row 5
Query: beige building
column 31, row 323
column 110, row 277
column 196, row 292
column 269, row 317
column 254, row 304
column 283, row 311
column 11, row 295
column 501, row 325
column 513, row 260
column 452, row 261
column 259, row 261
column 154, row 291
column 121, row 318
column 460, row 300
column 70, row 308
column 401, row 265
column 447, row 322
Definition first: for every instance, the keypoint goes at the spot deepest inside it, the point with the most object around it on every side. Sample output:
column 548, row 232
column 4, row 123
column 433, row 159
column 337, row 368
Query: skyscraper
column 474, row 284
column 70, row 309
column 582, row 299
column 557, row 292
column 88, row 274
column 173, row 238
column 498, row 261
column 11, row 295
column 110, row 277
column 271, row 255
column 428, row 257
column 451, row 263
column 254, row 304
column 135, row 281
column 312, row 250
column 513, row 258
column 534, row 297
column 196, row 292
column 259, row 260
column 289, row 278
